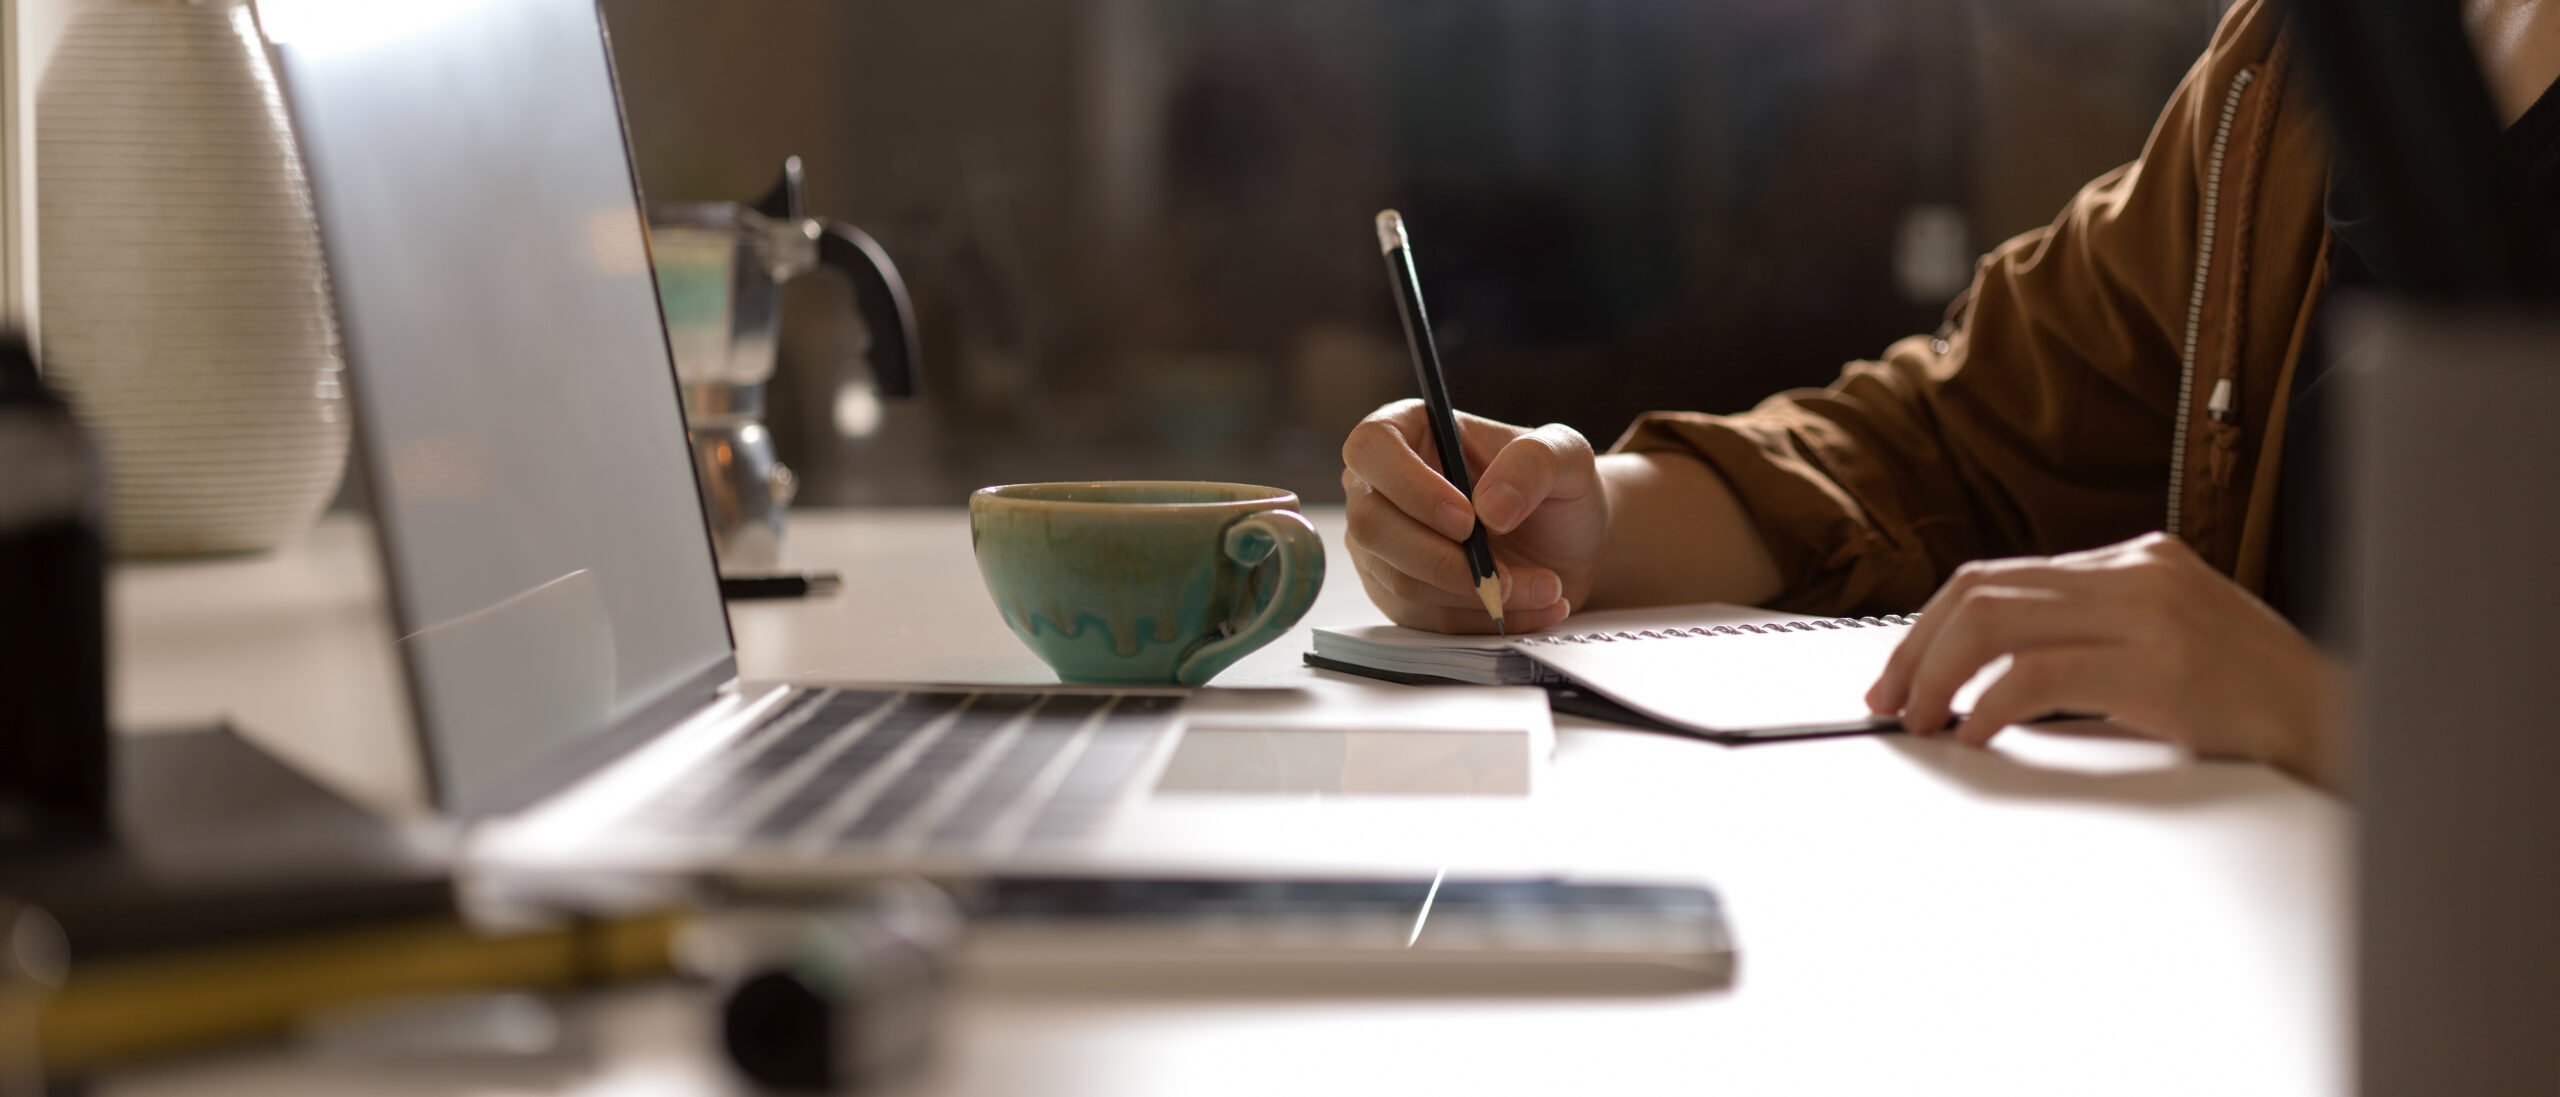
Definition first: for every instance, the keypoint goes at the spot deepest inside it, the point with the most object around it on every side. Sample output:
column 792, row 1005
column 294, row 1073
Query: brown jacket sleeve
column 2038, row 421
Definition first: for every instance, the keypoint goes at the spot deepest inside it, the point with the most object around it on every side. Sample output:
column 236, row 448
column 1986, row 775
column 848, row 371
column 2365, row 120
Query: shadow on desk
column 2083, row 762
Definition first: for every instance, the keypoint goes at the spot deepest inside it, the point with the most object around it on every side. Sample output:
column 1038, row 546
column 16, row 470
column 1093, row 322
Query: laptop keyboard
column 942, row 770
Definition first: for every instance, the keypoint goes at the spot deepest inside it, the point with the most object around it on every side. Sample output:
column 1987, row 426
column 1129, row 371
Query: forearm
column 1677, row 534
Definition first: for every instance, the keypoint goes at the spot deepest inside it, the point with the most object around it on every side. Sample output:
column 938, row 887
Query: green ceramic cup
column 1155, row 582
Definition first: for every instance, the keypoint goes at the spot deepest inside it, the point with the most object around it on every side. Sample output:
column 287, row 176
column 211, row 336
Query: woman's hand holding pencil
column 1539, row 495
column 1502, row 505
column 1531, row 540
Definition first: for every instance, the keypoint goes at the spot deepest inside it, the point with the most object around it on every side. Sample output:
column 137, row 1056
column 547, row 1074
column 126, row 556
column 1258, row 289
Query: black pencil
column 1398, row 250
column 780, row 586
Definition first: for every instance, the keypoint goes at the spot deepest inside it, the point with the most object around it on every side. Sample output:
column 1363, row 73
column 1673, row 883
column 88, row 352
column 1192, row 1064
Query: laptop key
column 830, row 718
column 913, row 713
column 968, row 734
column 1110, row 760
column 723, row 783
column 1049, row 730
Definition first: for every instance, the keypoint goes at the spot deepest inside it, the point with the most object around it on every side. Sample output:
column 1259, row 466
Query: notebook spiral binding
column 1888, row 620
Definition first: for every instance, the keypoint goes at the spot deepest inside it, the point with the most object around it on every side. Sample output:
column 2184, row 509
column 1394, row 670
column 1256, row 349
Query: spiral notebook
column 1728, row 673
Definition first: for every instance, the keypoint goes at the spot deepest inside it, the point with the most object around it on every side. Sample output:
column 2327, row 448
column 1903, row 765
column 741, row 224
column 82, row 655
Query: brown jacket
column 2119, row 371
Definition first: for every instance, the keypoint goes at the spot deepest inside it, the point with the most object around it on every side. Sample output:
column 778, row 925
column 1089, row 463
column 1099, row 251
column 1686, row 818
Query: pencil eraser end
column 1390, row 230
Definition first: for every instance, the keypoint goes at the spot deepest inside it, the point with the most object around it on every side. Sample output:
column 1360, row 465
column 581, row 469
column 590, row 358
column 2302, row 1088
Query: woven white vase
column 186, row 310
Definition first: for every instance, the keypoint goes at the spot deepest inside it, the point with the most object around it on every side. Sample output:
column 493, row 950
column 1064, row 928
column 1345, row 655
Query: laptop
column 565, row 648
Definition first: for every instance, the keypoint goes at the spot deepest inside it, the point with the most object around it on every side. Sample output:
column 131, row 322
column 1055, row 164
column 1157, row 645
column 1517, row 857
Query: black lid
column 19, row 382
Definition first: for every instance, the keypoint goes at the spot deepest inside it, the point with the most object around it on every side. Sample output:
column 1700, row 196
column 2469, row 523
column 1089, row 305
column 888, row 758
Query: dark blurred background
column 1138, row 231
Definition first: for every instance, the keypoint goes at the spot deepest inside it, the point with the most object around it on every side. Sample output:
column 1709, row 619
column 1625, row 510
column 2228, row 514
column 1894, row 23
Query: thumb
column 1553, row 461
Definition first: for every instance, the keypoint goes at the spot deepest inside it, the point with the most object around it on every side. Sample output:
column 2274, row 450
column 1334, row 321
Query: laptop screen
column 517, row 413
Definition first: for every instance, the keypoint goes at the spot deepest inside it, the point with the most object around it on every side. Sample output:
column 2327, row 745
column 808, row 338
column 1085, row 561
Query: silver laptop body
column 565, row 648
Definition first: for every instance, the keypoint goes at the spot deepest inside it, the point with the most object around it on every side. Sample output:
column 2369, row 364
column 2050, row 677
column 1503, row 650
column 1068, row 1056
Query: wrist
column 2301, row 711
column 2318, row 751
column 1675, row 532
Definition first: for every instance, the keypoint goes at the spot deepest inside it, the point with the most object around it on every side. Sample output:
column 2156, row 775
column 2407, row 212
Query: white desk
column 2058, row 915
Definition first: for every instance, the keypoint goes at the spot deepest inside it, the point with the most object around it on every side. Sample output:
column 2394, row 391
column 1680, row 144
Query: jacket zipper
column 2195, row 299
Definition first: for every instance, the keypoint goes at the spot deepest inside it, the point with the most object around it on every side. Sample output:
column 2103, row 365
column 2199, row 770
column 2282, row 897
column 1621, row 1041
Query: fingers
column 2079, row 678
column 1481, row 437
column 1417, row 565
column 1469, row 619
column 1393, row 452
column 1892, row 691
column 1988, row 622
column 1390, row 451
column 1461, row 623
column 1552, row 461
column 1407, row 520
column 1415, row 604
column 1893, row 686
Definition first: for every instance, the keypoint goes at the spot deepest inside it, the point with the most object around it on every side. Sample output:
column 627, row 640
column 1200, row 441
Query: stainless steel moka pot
column 721, row 267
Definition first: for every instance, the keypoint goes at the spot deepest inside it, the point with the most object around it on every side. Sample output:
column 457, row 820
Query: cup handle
column 1251, row 540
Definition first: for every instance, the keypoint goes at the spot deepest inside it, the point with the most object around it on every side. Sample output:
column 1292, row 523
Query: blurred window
column 1137, row 231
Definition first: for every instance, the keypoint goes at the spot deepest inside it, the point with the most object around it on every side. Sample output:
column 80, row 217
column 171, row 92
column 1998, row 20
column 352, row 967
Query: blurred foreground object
column 844, row 993
column 721, row 267
column 186, row 311
column 2454, row 459
column 53, row 660
column 129, row 1010
column 224, row 863
column 31, row 962
column 2450, row 459
column 1423, row 936
column 239, row 896
column 471, row 1029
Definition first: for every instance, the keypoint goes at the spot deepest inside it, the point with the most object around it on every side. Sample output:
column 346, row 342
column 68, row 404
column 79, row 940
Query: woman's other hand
column 2143, row 632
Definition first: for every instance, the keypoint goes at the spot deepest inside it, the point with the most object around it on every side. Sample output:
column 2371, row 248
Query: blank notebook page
column 1746, row 682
